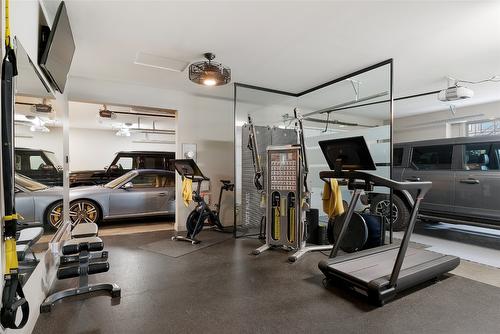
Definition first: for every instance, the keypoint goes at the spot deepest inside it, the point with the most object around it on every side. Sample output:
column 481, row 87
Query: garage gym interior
column 250, row 167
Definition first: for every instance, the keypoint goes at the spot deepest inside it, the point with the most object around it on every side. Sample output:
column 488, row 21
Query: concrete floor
column 223, row 289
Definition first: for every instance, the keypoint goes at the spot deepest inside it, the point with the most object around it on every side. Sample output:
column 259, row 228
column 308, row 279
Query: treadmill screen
column 352, row 153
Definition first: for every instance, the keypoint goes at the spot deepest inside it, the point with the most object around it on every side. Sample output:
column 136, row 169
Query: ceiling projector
column 455, row 93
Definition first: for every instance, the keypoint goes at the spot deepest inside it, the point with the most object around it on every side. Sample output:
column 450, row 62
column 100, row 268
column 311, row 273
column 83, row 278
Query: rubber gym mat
column 176, row 248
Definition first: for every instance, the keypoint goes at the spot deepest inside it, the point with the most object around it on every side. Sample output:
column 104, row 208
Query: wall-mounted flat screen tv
column 58, row 52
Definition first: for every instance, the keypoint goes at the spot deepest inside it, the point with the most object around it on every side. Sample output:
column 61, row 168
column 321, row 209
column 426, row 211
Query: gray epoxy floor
column 223, row 289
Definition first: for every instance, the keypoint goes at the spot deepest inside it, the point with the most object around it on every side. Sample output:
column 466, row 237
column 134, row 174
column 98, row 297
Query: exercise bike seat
column 225, row 182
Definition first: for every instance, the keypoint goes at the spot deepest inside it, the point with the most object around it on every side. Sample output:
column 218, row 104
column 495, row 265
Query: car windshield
column 53, row 159
column 116, row 182
column 28, row 183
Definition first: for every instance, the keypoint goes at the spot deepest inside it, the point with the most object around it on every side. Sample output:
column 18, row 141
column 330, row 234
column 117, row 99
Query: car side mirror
column 128, row 185
column 113, row 168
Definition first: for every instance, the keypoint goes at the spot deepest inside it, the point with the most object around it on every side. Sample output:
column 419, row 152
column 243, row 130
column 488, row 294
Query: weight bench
column 26, row 239
column 82, row 256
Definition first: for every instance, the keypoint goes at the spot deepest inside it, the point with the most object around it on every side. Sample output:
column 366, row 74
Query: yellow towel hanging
column 332, row 199
column 187, row 190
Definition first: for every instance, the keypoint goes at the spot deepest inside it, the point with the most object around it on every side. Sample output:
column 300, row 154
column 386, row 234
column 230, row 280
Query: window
column 480, row 157
column 18, row 163
column 483, row 128
column 496, row 149
column 149, row 181
column 125, row 163
column 170, row 180
column 398, row 156
column 37, row 162
column 432, row 157
column 152, row 162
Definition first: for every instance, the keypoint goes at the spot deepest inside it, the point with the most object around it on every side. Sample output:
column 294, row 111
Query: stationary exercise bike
column 202, row 215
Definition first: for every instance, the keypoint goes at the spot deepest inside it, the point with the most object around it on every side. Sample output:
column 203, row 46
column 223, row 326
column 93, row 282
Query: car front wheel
column 381, row 204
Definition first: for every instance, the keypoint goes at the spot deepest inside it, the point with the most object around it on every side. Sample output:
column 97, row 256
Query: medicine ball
column 356, row 234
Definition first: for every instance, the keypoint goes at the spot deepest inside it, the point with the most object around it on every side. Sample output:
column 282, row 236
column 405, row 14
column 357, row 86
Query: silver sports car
column 138, row 193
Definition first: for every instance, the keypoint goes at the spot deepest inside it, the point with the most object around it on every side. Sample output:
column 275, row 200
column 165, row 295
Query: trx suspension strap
column 12, row 296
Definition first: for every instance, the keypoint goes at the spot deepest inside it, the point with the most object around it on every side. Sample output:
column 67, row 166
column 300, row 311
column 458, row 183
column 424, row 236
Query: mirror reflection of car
column 39, row 165
column 138, row 193
column 465, row 175
column 121, row 164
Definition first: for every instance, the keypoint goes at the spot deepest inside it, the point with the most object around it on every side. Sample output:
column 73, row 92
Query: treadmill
column 379, row 273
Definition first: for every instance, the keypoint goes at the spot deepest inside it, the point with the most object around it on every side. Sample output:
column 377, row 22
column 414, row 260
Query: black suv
column 121, row 164
column 40, row 165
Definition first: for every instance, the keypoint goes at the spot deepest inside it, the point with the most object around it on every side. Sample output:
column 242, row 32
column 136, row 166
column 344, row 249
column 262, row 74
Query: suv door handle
column 162, row 194
column 470, row 181
column 413, row 179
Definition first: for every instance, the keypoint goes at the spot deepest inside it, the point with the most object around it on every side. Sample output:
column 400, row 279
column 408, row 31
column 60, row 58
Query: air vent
column 160, row 62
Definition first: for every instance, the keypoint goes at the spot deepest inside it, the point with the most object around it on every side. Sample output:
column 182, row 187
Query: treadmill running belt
column 379, row 265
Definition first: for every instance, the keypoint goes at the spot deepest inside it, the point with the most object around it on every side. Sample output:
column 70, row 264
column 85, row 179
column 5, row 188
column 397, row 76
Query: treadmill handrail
column 376, row 180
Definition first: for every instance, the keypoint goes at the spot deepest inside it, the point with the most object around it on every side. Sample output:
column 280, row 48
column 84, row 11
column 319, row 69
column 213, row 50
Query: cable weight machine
column 288, row 198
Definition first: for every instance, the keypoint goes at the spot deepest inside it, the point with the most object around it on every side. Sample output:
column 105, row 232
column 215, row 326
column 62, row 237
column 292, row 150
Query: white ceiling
column 292, row 46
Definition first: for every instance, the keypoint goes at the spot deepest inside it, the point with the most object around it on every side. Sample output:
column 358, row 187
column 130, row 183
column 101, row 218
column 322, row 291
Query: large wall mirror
column 359, row 104
column 38, row 155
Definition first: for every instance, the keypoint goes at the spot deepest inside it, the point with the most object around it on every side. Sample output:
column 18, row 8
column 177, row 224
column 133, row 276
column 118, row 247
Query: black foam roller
column 312, row 220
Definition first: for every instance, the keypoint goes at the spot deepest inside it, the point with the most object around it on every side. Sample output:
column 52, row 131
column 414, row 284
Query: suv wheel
column 400, row 212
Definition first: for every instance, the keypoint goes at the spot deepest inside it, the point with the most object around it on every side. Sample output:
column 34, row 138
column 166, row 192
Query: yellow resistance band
column 7, row 24
column 10, row 255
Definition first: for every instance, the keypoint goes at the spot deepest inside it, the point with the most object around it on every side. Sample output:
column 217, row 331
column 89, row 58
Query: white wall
column 442, row 124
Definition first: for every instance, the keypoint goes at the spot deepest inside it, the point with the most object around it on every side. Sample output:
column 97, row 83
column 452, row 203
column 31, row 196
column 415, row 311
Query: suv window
column 432, row 157
column 151, row 162
column 154, row 162
column 125, row 163
column 18, row 162
column 398, row 156
column 480, row 157
column 36, row 162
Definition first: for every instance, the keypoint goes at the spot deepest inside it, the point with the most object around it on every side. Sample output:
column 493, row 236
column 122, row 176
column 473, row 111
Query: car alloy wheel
column 383, row 208
column 82, row 211
column 56, row 215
